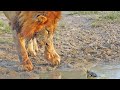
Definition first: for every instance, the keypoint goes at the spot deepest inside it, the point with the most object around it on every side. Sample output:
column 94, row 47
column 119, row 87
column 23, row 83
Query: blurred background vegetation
column 100, row 17
column 107, row 16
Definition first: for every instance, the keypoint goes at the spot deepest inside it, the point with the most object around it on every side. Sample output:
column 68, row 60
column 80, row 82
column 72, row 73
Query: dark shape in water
column 91, row 74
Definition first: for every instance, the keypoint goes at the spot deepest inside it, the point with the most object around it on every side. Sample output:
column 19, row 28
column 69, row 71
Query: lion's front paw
column 54, row 58
column 27, row 65
column 32, row 53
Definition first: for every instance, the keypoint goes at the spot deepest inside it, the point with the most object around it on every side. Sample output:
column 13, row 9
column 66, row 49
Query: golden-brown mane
column 26, row 24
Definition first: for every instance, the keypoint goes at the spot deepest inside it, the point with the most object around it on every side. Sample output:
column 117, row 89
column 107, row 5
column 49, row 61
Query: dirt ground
column 80, row 46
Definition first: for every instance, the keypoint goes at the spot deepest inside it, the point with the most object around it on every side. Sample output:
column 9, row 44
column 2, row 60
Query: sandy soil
column 80, row 46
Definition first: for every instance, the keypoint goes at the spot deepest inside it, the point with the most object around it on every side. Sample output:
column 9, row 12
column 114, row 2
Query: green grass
column 100, row 17
column 88, row 12
column 62, row 24
column 103, row 15
column 96, row 24
column 4, row 27
column 106, row 17
column 6, row 40
column 83, row 12
column 112, row 16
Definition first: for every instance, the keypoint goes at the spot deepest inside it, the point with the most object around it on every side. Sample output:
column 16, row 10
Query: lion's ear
column 41, row 19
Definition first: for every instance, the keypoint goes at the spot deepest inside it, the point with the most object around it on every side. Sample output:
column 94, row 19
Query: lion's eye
column 37, row 15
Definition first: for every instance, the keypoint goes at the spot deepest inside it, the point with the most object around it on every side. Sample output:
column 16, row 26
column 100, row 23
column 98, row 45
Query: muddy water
column 63, row 75
column 100, row 72
column 97, row 72
column 106, row 71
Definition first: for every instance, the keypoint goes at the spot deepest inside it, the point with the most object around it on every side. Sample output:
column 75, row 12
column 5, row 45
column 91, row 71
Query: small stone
column 91, row 74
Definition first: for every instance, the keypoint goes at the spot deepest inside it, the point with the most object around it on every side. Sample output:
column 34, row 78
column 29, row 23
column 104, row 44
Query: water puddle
column 63, row 75
column 107, row 71
column 99, row 72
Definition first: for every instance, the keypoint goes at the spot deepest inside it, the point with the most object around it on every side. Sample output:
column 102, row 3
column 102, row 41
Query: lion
column 26, row 26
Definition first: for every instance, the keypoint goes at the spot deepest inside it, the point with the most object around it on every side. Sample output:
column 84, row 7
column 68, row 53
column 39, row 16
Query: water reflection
column 51, row 75
column 63, row 75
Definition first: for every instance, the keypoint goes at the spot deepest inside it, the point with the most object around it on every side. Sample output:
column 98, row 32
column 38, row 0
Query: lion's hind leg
column 35, row 45
column 30, row 48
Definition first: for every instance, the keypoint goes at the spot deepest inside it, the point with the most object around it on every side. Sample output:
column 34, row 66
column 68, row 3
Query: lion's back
column 10, row 14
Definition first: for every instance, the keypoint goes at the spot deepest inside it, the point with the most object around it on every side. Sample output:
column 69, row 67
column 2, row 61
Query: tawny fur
column 25, row 25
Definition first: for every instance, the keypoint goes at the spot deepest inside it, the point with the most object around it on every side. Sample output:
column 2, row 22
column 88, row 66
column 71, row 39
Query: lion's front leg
column 27, row 64
column 22, row 52
column 50, row 52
